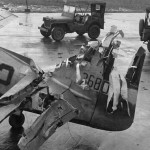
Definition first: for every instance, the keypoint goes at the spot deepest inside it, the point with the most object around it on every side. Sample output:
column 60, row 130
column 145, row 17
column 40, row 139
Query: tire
column 16, row 121
column 141, row 27
column 148, row 46
column 45, row 34
column 94, row 31
column 58, row 33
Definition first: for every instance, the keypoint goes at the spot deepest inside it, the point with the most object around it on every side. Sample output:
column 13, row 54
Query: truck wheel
column 45, row 34
column 16, row 121
column 94, row 31
column 141, row 26
column 148, row 46
column 58, row 33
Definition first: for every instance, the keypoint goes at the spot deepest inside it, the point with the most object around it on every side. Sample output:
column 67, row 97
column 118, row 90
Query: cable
column 72, row 136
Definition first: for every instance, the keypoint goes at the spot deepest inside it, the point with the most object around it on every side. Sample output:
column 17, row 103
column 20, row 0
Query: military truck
column 72, row 21
column 144, row 28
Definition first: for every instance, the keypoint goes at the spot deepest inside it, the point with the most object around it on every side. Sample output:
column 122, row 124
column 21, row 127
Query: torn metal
column 86, row 88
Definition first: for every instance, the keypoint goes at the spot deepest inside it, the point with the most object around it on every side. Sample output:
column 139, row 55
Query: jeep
column 71, row 21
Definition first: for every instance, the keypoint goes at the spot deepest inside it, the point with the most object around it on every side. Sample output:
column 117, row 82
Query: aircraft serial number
column 9, row 74
column 97, row 83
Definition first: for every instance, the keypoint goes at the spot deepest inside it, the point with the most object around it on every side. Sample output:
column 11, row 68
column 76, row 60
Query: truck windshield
column 69, row 9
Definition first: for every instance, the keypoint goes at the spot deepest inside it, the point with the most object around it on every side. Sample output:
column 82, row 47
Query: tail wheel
column 58, row 33
column 44, row 33
column 141, row 27
column 16, row 121
column 148, row 46
column 94, row 31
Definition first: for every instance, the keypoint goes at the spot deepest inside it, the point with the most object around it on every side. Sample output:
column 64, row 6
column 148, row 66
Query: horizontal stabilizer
column 17, row 59
column 17, row 88
column 13, row 98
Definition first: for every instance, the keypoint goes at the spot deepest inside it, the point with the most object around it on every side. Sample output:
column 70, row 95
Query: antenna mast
column 27, row 9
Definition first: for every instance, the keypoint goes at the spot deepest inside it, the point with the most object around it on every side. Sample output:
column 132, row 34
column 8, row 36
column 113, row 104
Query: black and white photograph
column 74, row 74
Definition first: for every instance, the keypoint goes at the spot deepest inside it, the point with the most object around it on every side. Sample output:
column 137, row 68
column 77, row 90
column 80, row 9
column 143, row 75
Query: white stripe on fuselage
column 72, row 90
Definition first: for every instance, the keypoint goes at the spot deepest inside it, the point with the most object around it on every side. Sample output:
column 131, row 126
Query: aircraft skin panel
column 11, row 59
column 59, row 113
column 19, row 57
column 95, row 67
column 116, row 121
column 58, row 86
column 15, row 96
column 55, row 87
column 120, row 119
column 72, row 100
column 62, row 71
column 86, row 98
column 78, row 91
column 13, row 67
column 19, row 86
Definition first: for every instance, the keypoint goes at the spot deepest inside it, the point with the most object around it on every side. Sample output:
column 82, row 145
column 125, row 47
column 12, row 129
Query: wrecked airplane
column 86, row 89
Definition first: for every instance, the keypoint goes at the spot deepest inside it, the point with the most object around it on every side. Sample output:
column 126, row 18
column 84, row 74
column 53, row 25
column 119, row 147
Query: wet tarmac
column 23, row 36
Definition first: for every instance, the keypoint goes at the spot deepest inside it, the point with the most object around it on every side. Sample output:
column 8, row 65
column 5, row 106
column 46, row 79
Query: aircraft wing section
column 13, row 67
column 6, row 17
column 19, row 87
column 13, row 98
column 6, row 111
column 58, row 85
column 19, row 58
column 61, row 111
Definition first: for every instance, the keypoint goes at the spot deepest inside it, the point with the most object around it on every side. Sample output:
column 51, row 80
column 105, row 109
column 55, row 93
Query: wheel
column 141, row 26
column 58, row 33
column 16, row 121
column 94, row 31
column 45, row 34
column 148, row 46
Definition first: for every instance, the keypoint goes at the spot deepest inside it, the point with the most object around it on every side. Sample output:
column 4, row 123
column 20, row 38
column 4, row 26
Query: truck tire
column 16, row 121
column 141, row 26
column 148, row 46
column 93, row 31
column 58, row 33
column 45, row 34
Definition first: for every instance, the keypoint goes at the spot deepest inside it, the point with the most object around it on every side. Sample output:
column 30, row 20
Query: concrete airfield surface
column 22, row 36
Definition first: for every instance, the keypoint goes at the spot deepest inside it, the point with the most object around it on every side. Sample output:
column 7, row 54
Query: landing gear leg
column 16, row 121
